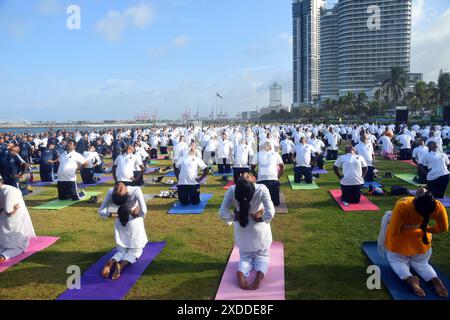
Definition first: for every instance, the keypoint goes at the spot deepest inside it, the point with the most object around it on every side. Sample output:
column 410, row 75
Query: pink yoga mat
column 36, row 245
column 272, row 286
column 409, row 162
column 229, row 185
column 364, row 205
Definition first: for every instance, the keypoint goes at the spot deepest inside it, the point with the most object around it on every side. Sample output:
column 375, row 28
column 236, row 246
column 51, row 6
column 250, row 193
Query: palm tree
column 361, row 103
column 443, row 88
column 394, row 86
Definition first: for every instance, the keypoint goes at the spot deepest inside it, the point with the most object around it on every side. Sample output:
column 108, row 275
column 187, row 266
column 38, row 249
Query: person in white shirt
column 303, row 161
column 125, row 166
column 129, row 229
column 318, row 156
column 224, row 155
column 179, row 151
column 354, row 169
column 93, row 160
column 242, row 155
column 154, row 144
column 16, row 228
column 287, row 150
column 365, row 149
column 188, row 181
column 163, row 144
column 387, row 148
column 333, row 140
column 209, row 154
column 249, row 208
column 69, row 162
column 270, row 170
column 404, row 140
column 434, row 137
column 438, row 174
column 418, row 155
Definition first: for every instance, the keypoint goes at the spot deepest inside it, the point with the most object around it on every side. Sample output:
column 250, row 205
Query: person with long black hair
column 408, row 239
column 249, row 207
column 129, row 229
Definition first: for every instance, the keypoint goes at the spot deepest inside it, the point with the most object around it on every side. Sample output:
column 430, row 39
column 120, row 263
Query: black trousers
column 319, row 162
column 287, row 158
column 163, row 150
column 176, row 171
column 332, row 154
column 13, row 182
column 154, row 153
column 438, row 186
column 189, row 194
column 274, row 189
column 303, row 173
column 422, row 173
column 370, row 175
column 225, row 167
column 67, row 190
column 87, row 176
column 238, row 171
column 351, row 194
column 46, row 173
column 140, row 181
column 405, row 154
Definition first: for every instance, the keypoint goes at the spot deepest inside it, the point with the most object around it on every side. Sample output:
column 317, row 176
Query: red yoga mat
column 409, row 162
column 272, row 286
column 363, row 205
column 229, row 185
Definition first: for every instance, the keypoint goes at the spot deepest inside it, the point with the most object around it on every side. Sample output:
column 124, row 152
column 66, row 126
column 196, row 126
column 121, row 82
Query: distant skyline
column 134, row 56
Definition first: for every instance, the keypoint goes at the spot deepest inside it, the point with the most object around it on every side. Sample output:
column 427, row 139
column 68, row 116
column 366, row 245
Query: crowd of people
column 256, row 156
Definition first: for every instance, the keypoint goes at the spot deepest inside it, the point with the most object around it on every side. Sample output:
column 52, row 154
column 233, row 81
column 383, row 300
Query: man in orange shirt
column 408, row 239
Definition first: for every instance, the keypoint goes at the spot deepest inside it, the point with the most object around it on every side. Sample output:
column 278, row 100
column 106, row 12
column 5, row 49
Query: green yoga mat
column 329, row 161
column 303, row 185
column 408, row 177
column 61, row 204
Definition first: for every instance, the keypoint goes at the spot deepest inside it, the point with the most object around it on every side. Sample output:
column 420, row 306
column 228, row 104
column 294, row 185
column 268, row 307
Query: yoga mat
column 191, row 209
column 148, row 197
column 102, row 180
column 445, row 201
column 173, row 187
column 303, row 185
column 398, row 289
column 408, row 177
column 329, row 161
column 61, row 204
column 217, row 174
column 272, row 286
column 171, row 174
column 409, row 162
column 162, row 158
column 95, row 287
column 363, row 205
column 228, row 185
column 151, row 170
column 35, row 192
column 319, row 171
column 373, row 183
column 42, row 184
column 282, row 208
column 151, row 162
column 36, row 245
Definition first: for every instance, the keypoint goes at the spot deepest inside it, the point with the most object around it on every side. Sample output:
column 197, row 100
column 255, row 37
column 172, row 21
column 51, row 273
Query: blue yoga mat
column 398, row 289
column 191, row 209
column 373, row 183
column 170, row 174
column 223, row 174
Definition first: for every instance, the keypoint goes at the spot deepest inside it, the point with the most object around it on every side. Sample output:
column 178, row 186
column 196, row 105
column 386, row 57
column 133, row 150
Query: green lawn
column 323, row 259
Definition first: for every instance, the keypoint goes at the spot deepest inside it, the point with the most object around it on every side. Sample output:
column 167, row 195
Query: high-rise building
column 329, row 56
column 306, row 52
column 366, row 47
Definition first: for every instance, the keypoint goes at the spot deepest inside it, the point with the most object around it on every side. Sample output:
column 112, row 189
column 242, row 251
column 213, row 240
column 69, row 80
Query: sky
column 131, row 56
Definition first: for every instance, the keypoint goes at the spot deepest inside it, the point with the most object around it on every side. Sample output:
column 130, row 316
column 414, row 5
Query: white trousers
column 127, row 254
column 257, row 260
column 9, row 253
column 401, row 265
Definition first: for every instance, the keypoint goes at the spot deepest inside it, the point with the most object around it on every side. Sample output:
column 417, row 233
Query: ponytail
column 244, row 194
column 425, row 205
column 124, row 215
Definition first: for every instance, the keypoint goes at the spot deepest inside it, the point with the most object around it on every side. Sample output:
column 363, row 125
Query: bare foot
column 414, row 283
column 439, row 288
column 242, row 281
column 116, row 274
column 107, row 269
column 255, row 285
column 2, row 259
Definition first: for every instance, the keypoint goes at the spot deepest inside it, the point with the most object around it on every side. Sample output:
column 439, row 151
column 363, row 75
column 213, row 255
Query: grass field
column 323, row 259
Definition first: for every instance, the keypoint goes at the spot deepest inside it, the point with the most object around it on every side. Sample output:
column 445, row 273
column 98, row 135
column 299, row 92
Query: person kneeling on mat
column 354, row 169
column 16, row 228
column 130, row 234
column 253, row 212
column 408, row 239
column 189, row 182
column 303, row 163
column 437, row 164
column 93, row 159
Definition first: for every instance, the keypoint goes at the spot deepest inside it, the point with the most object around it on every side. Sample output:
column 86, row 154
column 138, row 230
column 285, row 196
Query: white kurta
column 133, row 235
column 17, row 230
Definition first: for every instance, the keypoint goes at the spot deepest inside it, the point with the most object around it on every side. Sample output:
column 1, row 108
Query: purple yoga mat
column 319, row 171
column 95, row 287
column 445, row 201
column 99, row 182
column 42, row 184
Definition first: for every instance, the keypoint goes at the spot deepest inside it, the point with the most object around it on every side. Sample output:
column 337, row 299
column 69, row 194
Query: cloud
column 430, row 43
column 418, row 9
column 117, row 85
column 114, row 24
column 157, row 52
column 181, row 41
column 50, row 7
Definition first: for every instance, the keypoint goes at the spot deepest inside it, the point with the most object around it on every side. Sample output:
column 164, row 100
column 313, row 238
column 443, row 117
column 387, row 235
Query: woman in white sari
column 16, row 228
